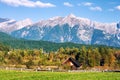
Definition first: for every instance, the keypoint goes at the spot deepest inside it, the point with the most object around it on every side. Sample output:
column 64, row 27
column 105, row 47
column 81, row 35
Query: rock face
column 63, row 33
column 72, row 29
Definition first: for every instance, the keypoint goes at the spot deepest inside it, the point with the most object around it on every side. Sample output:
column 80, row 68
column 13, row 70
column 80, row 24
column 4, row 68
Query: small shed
column 74, row 64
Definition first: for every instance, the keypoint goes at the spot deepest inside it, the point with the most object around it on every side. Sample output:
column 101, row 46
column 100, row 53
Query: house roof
column 76, row 63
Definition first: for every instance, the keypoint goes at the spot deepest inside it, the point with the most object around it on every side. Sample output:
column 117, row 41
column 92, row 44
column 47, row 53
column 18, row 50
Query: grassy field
column 18, row 75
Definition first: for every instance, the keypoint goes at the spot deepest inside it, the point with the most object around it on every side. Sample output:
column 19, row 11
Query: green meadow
column 30, row 75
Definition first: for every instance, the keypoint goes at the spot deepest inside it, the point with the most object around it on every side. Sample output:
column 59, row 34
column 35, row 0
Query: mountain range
column 64, row 29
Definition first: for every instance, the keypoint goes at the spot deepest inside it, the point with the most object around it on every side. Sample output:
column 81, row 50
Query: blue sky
column 96, row 10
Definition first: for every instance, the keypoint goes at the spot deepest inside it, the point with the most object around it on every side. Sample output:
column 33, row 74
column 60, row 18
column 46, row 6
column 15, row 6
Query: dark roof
column 76, row 63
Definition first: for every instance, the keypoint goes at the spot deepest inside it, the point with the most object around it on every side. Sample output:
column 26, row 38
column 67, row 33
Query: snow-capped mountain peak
column 12, row 25
column 71, row 16
column 55, row 18
column 72, row 20
column 23, row 23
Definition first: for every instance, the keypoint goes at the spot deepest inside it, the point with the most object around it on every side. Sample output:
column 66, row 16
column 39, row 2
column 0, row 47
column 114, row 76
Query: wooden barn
column 72, row 63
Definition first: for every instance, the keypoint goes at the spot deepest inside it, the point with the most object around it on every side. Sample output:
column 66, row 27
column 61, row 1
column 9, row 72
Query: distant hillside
column 15, row 43
column 6, row 37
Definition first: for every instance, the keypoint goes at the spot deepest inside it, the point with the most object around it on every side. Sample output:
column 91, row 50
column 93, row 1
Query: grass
column 18, row 75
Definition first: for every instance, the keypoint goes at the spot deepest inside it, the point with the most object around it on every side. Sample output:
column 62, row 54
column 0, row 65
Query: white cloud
column 87, row 4
column 118, row 7
column 68, row 4
column 97, row 8
column 27, row 3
